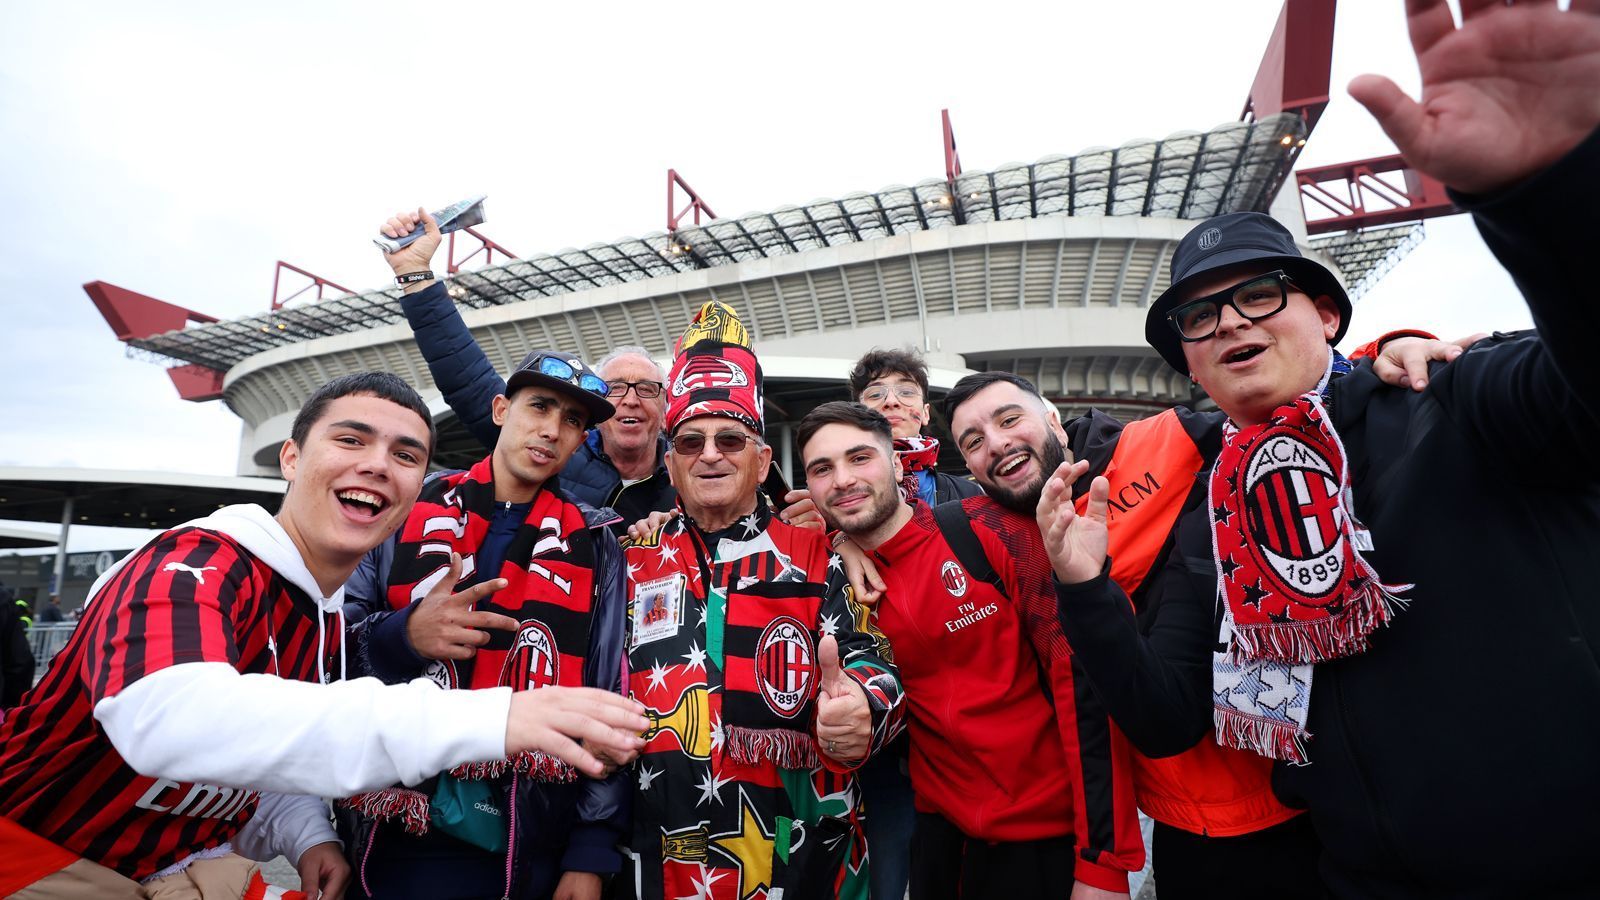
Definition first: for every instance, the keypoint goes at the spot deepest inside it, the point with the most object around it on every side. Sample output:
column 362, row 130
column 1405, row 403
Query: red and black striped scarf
column 916, row 454
column 1288, row 550
column 549, row 570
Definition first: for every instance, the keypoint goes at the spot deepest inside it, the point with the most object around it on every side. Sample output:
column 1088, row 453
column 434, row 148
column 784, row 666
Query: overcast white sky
column 179, row 150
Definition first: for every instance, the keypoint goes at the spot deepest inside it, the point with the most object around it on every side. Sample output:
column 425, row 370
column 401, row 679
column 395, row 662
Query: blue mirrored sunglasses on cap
column 562, row 369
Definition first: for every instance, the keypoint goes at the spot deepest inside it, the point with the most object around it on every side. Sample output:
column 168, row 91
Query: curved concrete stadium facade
column 1045, row 269
column 1059, row 300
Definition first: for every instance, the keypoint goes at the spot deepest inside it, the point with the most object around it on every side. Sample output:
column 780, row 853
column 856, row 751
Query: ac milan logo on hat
column 786, row 666
column 1209, row 238
column 708, row 372
column 1293, row 513
column 532, row 662
column 955, row 580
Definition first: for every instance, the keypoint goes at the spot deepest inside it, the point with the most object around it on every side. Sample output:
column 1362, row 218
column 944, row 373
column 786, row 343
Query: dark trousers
column 1277, row 863
column 890, row 818
column 946, row 865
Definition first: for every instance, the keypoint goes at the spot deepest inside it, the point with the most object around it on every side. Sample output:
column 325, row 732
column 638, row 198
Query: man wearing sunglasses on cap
column 621, row 464
column 539, row 601
column 766, row 690
column 1403, row 576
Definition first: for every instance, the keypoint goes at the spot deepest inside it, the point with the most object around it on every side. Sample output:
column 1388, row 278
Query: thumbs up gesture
column 844, row 721
column 445, row 626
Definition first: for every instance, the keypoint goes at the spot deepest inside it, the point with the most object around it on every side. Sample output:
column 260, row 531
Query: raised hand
column 416, row 256
column 573, row 724
column 844, row 720
column 1076, row 544
column 1504, row 96
column 445, row 626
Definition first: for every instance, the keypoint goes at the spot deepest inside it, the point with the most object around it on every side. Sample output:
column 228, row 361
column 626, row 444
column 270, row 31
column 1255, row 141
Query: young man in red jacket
column 1019, row 777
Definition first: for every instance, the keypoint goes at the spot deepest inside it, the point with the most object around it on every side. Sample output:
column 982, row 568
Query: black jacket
column 1455, row 758
column 1458, row 756
column 16, row 656
column 469, row 384
column 949, row 487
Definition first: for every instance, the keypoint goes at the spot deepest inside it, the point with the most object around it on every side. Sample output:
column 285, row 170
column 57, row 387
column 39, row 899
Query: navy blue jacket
column 560, row 827
column 469, row 383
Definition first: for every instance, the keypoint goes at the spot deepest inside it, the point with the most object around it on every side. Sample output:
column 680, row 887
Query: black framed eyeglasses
column 647, row 390
column 1254, row 299
column 693, row 443
column 564, row 370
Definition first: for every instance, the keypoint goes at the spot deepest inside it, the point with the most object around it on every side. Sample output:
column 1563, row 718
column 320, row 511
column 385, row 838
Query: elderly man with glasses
column 752, row 660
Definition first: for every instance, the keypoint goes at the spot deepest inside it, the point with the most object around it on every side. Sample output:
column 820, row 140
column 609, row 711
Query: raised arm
column 458, row 365
column 1507, row 119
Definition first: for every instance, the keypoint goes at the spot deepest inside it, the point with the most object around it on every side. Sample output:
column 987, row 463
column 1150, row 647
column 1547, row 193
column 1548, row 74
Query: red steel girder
column 1367, row 193
column 952, row 159
column 133, row 315
column 485, row 246
column 1297, row 65
column 317, row 281
column 196, row 383
column 696, row 205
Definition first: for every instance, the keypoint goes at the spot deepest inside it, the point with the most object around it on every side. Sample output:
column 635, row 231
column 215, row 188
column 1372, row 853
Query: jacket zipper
column 511, row 834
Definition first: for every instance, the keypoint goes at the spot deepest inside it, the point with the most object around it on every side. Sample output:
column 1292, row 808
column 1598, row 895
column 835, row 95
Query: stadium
column 1044, row 269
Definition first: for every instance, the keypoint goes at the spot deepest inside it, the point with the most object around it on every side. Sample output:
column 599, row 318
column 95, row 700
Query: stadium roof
column 1190, row 175
column 124, row 498
column 12, row 537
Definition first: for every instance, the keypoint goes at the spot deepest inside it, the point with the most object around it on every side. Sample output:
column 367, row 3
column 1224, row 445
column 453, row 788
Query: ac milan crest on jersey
column 1292, row 511
column 953, row 578
column 700, row 372
column 786, row 665
column 533, row 661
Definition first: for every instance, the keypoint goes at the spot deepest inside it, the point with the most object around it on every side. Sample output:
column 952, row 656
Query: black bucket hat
column 1229, row 240
column 565, row 373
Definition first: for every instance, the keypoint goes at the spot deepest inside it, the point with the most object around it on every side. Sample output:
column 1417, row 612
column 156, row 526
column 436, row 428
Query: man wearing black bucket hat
column 1404, row 575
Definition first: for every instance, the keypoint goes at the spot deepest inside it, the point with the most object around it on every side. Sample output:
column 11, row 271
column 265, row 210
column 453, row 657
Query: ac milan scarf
column 549, row 570
column 917, row 454
column 1295, row 586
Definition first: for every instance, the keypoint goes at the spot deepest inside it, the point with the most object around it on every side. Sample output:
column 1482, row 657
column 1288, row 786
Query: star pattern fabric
column 717, row 814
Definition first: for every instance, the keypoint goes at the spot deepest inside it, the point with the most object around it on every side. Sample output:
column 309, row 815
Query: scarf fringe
column 1274, row 740
column 789, row 749
column 1371, row 607
column 408, row 806
column 532, row 763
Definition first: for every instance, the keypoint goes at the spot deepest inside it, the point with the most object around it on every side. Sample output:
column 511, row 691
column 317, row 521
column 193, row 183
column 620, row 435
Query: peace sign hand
column 445, row 626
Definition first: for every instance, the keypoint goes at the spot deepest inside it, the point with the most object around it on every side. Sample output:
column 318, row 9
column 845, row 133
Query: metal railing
column 46, row 641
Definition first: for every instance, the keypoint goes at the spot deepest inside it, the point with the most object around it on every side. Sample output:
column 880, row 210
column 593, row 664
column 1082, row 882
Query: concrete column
column 61, row 545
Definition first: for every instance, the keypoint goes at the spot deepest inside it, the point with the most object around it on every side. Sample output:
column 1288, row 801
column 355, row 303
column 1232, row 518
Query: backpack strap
column 956, row 527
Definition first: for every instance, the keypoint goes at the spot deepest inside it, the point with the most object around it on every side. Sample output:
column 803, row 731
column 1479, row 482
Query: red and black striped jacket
column 190, row 596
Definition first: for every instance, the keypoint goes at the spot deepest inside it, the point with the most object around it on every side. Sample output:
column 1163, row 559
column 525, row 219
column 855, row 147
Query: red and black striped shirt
column 189, row 596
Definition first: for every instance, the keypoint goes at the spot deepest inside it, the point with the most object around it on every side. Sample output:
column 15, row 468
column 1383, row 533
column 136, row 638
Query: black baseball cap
column 565, row 373
column 1228, row 240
